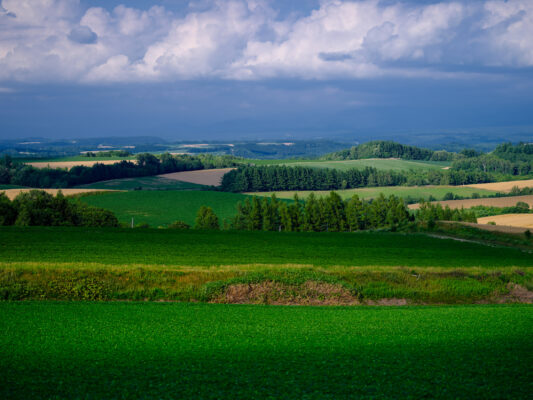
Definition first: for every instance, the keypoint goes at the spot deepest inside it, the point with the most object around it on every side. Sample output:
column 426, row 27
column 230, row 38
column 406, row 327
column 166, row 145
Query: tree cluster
column 38, row 208
column 15, row 173
column 429, row 213
column 389, row 149
column 322, row 214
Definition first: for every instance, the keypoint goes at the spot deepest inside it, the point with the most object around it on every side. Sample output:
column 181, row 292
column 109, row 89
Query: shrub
column 179, row 225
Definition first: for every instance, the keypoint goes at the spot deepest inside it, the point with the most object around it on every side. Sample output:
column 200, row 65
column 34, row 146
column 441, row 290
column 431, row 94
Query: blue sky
column 207, row 69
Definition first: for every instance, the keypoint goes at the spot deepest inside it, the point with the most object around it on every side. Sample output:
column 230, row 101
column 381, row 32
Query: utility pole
column 131, row 222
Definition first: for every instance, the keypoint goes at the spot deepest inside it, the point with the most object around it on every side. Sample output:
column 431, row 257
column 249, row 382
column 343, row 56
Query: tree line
column 38, row 208
column 16, row 173
column 278, row 177
column 327, row 214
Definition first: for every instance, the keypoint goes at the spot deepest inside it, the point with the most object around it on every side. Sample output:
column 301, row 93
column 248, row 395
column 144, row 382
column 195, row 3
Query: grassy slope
column 163, row 207
column 415, row 192
column 146, row 183
column 168, row 247
column 164, row 351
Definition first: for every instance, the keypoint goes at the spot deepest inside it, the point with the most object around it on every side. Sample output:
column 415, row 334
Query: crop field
column 209, row 177
column 12, row 193
column 503, row 186
column 414, row 192
column 144, row 183
column 517, row 220
column 209, row 351
column 70, row 164
column 158, row 208
column 383, row 164
column 207, row 248
column 490, row 202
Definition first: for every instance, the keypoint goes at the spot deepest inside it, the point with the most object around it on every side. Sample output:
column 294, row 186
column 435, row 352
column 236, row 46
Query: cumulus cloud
column 59, row 40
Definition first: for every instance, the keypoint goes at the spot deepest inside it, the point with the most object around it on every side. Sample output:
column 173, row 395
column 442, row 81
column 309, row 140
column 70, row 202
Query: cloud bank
column 60, row 41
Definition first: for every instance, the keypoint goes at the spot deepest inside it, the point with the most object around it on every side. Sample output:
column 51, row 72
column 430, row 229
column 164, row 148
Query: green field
column 413, row 192
column 201, row 351
column 382, row 164
column 206, row 248
column 158, row 208
column 144, row 183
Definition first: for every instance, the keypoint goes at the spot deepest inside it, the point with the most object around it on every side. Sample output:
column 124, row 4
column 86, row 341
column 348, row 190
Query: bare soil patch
column 70, row 164
column 490, row 202
column 310, row 293
column 209, row 177
column 516, row 220
column 502, row 186
column 12, row 193
column 517, row 294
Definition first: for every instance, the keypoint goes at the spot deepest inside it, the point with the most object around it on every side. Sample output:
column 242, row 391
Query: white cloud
column 57, row 40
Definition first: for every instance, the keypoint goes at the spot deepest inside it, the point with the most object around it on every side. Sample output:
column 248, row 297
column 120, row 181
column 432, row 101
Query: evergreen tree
column 206, row 219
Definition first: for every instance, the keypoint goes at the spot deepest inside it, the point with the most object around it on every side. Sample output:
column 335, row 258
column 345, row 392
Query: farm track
column 12, row 193
column 490, row 202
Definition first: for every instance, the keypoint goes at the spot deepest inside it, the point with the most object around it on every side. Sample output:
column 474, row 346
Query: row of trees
column 38, row 208
column 491, row 164
column 327, row 214
column 389, row 149
column 12, row 172
column 273, row 178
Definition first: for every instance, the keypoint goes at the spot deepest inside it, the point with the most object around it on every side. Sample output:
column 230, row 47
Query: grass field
column 197, row 248
column 382, row 164
column 414, row 192
column 146, row 183
column 158, row 208
column 202, row 351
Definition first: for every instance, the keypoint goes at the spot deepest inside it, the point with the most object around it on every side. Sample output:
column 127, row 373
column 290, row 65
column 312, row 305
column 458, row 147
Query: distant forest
column 15, row 173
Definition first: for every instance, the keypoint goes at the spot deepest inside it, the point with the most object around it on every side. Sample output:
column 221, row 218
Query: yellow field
column 12, row 193
column 209, row 177
column 503, row 186
column 491, row 202
column 516, row 220
column 70, row 164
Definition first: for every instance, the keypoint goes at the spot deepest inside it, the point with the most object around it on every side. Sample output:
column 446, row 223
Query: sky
column 256, row 69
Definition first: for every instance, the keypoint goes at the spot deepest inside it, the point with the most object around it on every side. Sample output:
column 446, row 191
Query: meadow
column 205, row 351
column 413, row 192
column 143, row 183
column 159, row 208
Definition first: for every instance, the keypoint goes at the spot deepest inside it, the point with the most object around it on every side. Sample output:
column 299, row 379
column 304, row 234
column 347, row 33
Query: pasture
column 158, row 208
column 413, row 192
column 489, row 202
column 144, row 183
column 503, row 186
column 208, row 351
column 378, row 163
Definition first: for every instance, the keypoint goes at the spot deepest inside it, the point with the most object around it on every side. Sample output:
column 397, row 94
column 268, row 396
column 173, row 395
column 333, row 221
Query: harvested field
column 503, row 186
column 490, row 202
column 12, row 193
column 70, row 164
column 494, row 228
column 513, row 220
column 209, row 177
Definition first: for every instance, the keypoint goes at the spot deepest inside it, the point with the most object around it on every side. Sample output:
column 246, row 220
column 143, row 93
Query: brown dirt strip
column 209, row 177
column 502, row 186
column 70, row 164
column 491, row 202
column 12, row 193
